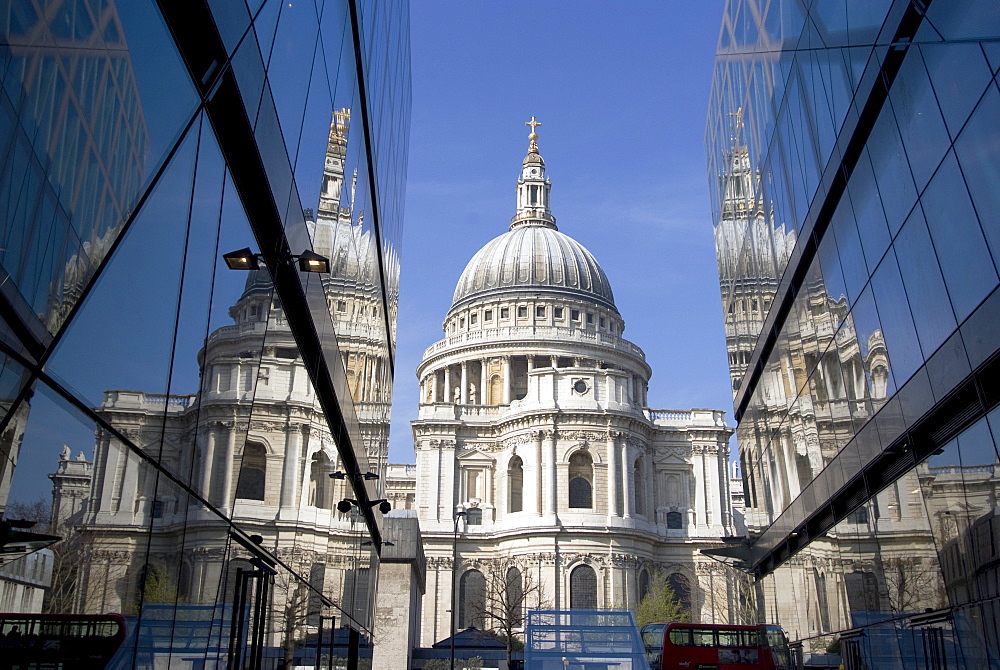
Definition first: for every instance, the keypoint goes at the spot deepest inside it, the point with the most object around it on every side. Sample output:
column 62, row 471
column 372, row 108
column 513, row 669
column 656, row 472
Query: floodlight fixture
column 242, row 259
column 310, row 261
column 246, row 259
column 356, row 475
column 344, row 506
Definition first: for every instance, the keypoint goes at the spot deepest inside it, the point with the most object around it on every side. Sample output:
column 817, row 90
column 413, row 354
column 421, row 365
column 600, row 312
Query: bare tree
column 911, row 584
column 38, row 511
column 730, row 597
column 509, row 590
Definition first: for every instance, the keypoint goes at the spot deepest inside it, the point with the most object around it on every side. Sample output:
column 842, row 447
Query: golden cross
column 739, row 119
column 532, row 123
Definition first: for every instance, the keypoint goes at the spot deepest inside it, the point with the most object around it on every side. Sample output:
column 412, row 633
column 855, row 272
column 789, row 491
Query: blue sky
column 621, row 90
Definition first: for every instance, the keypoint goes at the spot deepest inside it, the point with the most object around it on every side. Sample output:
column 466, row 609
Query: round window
column 580, row 386
column 534, row 171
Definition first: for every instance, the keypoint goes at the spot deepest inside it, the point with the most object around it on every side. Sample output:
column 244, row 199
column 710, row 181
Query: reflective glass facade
column 171, row 425
column 854, row 159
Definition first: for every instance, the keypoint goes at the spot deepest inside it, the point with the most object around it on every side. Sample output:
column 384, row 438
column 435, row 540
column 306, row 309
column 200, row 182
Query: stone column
column 465, row 383
column 700, row 485
column 533, row 485
column 549, row 454
column 612, row 475
column 207, row 463
column 651, row 495
column 447, row 384
column 626, row 480
column 434, row 386
column 290, row 466
column 488, row 495
column 484, row 398
column 506, row 380
column 225, row 500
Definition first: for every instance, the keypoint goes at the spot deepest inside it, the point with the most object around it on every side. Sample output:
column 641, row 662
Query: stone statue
column 472, row 394
column 457, row 395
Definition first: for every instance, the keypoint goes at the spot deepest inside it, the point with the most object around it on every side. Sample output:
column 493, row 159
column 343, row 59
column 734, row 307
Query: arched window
column 253, row 471
column 822, row 604
column 675, row 520
column 639, row 486
column 581, row 478
column 643, row 584
column 681, row 588
column 515, row 595
column 583, row 588
column 515, row 485
column 471, row 600
column 320, row 484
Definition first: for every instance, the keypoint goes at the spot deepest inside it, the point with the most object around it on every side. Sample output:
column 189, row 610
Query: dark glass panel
column 897, row 321
column 868, row 212
column 978, row 149
column 928, row 298
column 965, row 261
column 849, row 251
column 978, row 18
column 891, row 170
column 959, row 74
column 130, row 314
column 919, row 118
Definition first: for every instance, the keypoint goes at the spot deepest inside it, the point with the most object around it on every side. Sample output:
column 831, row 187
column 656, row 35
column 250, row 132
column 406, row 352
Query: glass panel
column 978, row 149
column 965, row 261
column 931, row 309
column 918, row 116
column 959, row 73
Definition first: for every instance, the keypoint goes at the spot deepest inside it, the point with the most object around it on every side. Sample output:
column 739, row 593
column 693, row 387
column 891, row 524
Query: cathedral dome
column 533, row 257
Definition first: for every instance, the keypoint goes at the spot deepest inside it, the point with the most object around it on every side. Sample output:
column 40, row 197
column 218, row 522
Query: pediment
column 671, row 459
column 671, row 456
column 472, row 456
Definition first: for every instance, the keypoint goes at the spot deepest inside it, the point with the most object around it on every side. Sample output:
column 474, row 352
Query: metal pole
column 454, row 565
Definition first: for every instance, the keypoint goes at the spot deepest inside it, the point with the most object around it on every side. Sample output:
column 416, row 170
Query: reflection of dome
column 534, row 257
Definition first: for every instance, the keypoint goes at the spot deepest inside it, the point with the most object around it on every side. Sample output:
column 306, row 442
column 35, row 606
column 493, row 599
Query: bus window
column 737, row 638
column 652, row 636
column 680, row 637
column 703, row 637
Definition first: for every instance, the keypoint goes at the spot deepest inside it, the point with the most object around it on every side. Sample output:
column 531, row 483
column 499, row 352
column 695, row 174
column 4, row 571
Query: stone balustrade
column 535, row 334
column 151, row 401
column 687, row 417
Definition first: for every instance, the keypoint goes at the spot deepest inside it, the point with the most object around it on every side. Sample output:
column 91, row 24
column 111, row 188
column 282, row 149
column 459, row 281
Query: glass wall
column 855, row 178
column 170, row 425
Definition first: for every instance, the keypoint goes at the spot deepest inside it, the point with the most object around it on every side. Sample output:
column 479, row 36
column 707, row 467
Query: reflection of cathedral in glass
column 857, row 261
column 253, row 439
column 139, row 141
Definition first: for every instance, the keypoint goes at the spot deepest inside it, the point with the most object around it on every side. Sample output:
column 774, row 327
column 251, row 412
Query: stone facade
column 533, row 414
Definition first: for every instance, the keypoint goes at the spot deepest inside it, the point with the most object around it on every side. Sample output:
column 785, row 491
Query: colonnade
column 454, row 383
column 368, row 376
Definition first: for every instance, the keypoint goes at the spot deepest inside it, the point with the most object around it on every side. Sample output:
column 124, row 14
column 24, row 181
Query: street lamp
column 246, row 259
column 460, row 514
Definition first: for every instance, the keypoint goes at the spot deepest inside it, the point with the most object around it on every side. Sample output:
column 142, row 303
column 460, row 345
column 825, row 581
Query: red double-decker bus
column 56, row 641
column 697, row 646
